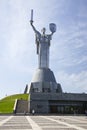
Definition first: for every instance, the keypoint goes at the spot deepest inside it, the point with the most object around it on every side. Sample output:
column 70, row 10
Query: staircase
column 21, row 107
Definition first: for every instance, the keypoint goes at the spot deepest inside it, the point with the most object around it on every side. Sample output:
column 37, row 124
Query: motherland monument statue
column 43, row 43
column 43, row 80
column 46, row 95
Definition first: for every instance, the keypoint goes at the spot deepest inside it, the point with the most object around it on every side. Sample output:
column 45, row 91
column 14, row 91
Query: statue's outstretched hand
column 31, row 22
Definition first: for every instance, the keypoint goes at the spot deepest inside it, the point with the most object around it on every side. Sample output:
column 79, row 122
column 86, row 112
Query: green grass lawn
column 7, row 103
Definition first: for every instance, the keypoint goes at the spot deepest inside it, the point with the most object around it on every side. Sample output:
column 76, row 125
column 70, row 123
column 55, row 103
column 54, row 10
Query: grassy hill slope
column 7, row 103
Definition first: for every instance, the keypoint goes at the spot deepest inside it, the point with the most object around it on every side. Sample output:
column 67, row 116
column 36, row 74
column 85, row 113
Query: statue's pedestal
column 44, row 81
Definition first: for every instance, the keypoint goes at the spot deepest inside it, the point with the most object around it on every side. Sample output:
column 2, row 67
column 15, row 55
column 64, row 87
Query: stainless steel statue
column 43, row 43
column 43, row 79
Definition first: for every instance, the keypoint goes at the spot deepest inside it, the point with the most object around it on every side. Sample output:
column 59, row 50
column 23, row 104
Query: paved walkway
column 43, row 123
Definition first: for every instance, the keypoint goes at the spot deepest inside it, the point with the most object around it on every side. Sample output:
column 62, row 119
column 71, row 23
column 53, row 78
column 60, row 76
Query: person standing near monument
column 33, row 111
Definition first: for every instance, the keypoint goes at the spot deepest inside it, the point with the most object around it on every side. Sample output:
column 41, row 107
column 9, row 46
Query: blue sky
column 68, row 52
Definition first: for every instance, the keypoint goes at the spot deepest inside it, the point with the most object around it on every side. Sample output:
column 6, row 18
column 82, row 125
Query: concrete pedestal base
column 44, row 81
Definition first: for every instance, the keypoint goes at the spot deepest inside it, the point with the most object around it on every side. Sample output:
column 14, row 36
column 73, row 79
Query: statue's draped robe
column 43, row 44
column 43, row 55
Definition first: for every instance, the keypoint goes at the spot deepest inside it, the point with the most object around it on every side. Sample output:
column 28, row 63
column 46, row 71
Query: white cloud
column 73, row 82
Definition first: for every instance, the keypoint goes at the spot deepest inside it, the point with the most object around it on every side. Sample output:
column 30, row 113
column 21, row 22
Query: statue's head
column 43, row 30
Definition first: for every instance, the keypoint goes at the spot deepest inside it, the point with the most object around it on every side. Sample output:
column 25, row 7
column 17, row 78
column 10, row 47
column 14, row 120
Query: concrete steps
column 21, row 107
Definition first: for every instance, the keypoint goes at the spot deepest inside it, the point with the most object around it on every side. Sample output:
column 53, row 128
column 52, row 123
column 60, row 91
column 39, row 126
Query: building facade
column 59, row 103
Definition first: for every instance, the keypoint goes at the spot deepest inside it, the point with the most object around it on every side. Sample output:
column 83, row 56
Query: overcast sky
column 68, row 51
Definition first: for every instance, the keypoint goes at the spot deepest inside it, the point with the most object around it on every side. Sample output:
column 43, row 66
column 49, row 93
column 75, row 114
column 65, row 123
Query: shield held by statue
column 52, row 27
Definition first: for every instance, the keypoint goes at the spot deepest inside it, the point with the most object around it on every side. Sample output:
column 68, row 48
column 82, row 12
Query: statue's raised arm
column 31, row 22
column 37, row 33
